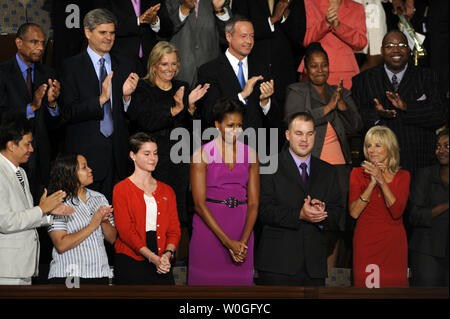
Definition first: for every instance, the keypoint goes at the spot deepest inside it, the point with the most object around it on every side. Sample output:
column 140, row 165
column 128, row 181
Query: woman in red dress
column 378, row 196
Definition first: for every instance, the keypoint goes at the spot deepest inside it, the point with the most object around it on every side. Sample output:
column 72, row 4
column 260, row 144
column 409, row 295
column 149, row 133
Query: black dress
column 149, row 112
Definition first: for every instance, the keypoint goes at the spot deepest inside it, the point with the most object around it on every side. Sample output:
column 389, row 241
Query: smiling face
column 166, row 68
column 396, row 57
column 146, row 158
column 101, row 39
column 442, row 151
column 317, row 69
column 377, row 152
column 230, row 127
column 20, row 152
column 84, row 172
column 31, row 47
column 301, row 135
column 241, row 41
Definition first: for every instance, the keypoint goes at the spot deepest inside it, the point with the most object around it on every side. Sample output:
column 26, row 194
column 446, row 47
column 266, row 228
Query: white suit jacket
column 19, row 241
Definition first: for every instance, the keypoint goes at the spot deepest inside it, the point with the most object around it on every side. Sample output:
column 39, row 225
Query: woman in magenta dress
column 378, row 196
column 225, row 189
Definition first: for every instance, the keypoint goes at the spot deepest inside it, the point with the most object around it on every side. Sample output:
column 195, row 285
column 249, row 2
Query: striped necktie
column 21, row 179
column 395, row 83
column 196, row 7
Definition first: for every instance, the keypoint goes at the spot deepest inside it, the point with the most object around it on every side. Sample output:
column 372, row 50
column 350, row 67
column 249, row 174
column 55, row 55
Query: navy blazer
column 83, row 113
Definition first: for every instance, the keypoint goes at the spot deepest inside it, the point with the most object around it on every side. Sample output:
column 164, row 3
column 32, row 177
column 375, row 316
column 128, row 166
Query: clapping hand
column 313, row 210
column 54, row 88
column 267, row 89
column 375, row 170
column 195, row 95
column 382, row 112
column 37, row 97
column 130, row 85
column 396, row 100
column 150, row 16
column 179, row 105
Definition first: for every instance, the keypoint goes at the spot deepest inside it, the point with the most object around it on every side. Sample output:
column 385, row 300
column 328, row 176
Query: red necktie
column 29, row 85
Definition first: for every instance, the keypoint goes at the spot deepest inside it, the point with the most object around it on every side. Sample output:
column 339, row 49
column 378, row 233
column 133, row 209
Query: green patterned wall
column 13, row 13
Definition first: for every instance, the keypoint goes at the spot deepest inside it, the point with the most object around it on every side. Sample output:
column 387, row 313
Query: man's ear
column 228, row 36
column 87, row 33
column 19, row 43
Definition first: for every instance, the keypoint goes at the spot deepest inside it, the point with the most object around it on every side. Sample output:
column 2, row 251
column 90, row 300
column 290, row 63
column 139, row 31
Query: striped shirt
column 88, row 259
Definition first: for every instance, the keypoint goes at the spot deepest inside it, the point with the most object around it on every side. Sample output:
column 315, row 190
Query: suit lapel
column 313, row 172
column 229, row 75
column 15, row 183
column 405, row 80
column 17, row 77
column 292, row 169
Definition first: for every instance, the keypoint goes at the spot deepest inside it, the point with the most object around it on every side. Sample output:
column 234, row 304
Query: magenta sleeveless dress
column 210, row 262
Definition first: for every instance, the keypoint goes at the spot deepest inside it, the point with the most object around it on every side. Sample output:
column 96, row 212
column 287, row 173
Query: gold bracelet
column 364, row 200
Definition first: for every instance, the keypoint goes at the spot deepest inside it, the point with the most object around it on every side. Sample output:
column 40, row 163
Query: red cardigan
column 130, row 218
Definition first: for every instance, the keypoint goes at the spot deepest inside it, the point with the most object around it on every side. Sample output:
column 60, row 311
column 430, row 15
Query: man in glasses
column 404, row 98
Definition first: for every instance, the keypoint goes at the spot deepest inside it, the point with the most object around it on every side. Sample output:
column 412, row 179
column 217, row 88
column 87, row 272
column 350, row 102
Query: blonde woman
column 160, row 104
column 378, row 195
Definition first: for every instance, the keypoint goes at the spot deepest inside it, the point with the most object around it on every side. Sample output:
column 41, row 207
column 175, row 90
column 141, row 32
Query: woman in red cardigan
column 145, row 212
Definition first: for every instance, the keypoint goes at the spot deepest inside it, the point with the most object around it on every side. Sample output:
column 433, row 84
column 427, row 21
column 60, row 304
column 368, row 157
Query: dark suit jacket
column 415, row 127
column 276, row 48
column 14, row 99
column 83, row 113
column 224, row 83
column 286, row 241
column 129, row 35
column 429, row 235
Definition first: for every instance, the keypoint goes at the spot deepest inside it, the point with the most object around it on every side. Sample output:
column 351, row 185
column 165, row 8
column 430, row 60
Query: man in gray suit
column 19, row 240
column 198, row 25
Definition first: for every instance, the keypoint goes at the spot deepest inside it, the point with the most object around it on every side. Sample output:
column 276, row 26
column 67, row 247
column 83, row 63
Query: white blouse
column 151, row 210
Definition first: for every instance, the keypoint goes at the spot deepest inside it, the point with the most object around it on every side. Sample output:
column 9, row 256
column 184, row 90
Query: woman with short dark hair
column 145, row 210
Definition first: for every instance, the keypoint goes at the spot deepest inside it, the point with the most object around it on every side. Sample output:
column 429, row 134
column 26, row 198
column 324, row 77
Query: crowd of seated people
column 168, row 119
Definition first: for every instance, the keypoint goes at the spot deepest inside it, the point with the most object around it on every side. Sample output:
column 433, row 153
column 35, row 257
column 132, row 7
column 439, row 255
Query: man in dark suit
column 297, row 202
column 31, row 89
column 403, row 97
column 236, row 74
column 97, row 88
column 140, row 24
column 280, row 27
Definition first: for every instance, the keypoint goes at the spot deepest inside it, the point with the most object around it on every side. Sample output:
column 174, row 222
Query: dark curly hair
column 63, row 176
column 226, row 105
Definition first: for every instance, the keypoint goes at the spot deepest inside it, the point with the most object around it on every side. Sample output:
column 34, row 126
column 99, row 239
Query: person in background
column 428, row 244
column 199, row 28
column 145, row 212
column 378, row 195
column 340, row 27
column 161, row 104
column 335, row 116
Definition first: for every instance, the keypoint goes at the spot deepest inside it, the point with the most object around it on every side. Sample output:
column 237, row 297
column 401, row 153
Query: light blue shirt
column 95, row 58
column 298, row 162
column 23, row 69
column 399, row 74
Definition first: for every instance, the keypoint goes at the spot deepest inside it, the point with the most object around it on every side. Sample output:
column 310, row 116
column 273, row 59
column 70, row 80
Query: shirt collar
column 298, row 161
column 22, row 65
column 399, row 74
column 234, row 61
column 96, row 57
column 13, row 167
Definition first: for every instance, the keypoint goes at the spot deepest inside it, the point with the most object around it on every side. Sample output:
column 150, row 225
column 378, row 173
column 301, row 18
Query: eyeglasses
column 442, row 147
column 390, row 46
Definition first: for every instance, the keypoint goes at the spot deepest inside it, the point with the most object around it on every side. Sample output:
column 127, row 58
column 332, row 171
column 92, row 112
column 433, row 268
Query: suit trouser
column 428, row 271
column 15, row 281
column 301, row 278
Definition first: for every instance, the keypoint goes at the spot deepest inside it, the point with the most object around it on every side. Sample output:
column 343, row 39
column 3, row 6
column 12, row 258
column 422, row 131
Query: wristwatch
column 171, row 253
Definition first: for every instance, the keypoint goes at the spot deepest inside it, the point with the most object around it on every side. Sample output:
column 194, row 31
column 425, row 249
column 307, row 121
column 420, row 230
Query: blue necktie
column 241, row 77
column 106, row 125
